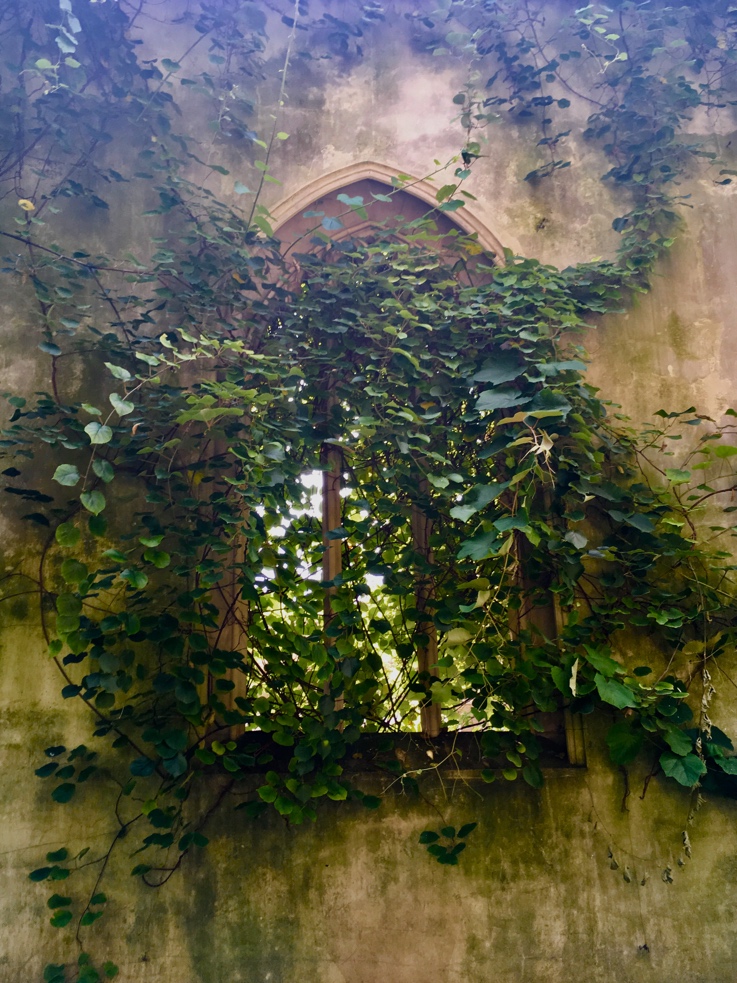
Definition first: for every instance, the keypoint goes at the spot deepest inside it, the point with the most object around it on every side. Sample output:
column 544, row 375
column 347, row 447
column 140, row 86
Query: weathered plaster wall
column 355, row 899
column 675, row 346
column 559, row 885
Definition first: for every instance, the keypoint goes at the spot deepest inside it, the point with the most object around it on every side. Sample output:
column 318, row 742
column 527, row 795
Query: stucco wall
column 559, row 885
column 562, row 885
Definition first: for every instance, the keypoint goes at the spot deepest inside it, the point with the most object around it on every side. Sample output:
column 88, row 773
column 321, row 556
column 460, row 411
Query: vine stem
column 282, row 97
column 69, row 259
column 198, row 828
column 105, row 860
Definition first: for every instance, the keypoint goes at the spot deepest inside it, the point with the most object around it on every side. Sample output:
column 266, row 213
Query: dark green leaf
column 103, row 469
column 40, row 874
column 685, row 770
column 67, row 535
column 58, row 901
column 496, row 399
column 625, row 742
column 63, row 792
column 615, row 693
column 61, row 918
column 532, row 775
column 678, row 741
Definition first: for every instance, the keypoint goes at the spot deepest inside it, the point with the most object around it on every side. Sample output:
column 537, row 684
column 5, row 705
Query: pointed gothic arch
column 368, row 178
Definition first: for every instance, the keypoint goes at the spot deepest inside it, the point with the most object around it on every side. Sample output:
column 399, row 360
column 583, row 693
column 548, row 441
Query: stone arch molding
column 294, row 205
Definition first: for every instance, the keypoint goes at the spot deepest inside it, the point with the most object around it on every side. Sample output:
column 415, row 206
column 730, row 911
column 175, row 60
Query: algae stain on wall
column 650, row 359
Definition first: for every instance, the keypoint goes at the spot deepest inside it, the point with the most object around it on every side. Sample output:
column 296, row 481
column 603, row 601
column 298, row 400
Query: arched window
column 353, row 205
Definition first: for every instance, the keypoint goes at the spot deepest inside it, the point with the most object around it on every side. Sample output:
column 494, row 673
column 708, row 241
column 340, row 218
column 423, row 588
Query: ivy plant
column 498, row 531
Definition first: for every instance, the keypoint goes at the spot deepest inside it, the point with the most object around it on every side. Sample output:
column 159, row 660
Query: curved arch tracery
column 294, row 218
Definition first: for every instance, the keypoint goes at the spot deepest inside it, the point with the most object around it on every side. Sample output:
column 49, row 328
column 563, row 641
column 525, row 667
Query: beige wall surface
column 587, row 880
column 577, row 882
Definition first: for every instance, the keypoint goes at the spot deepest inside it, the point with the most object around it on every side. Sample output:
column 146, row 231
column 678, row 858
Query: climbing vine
column 497, row 532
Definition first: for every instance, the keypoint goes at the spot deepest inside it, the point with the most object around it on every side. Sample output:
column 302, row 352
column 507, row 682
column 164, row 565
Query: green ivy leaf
column 136, row 578
column 121, row 406
column 158, row 558
column 73, row 571
column 685, row 770
column 725, row 450
column 641, row 522
column 115, row 555
column 602, row 662
column 58, row 901
column 68, row 604
column 504, row 368
column 532, row 775
column 480, row 547
column 50, row 348
column 103, row 469
column 678, row 741
column 477, row 499
column 625, row 742
column 89, row 918
column 93, row 501
column 63, row 793
column 40, row 874
column 497, row 399
column 67, row 535
column 61, row 918
column 99, row 433
column 118, row 372
column 67, row 474
column 576, row 539
column 676, row 476
column 615, row 693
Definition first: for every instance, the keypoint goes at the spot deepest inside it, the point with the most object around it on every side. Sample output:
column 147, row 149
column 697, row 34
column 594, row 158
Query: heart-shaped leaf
column 98, row 433
column 66, row 474
column 118, row 371
column 685, row 770
column 93, row 501
column 121, row 406
column 103, row 469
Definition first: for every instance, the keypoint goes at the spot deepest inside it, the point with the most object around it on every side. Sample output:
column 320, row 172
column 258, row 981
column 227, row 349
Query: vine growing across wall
column 217, row 623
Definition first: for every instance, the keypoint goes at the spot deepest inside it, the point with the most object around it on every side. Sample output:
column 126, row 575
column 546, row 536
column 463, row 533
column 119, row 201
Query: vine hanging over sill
column 479, row 473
